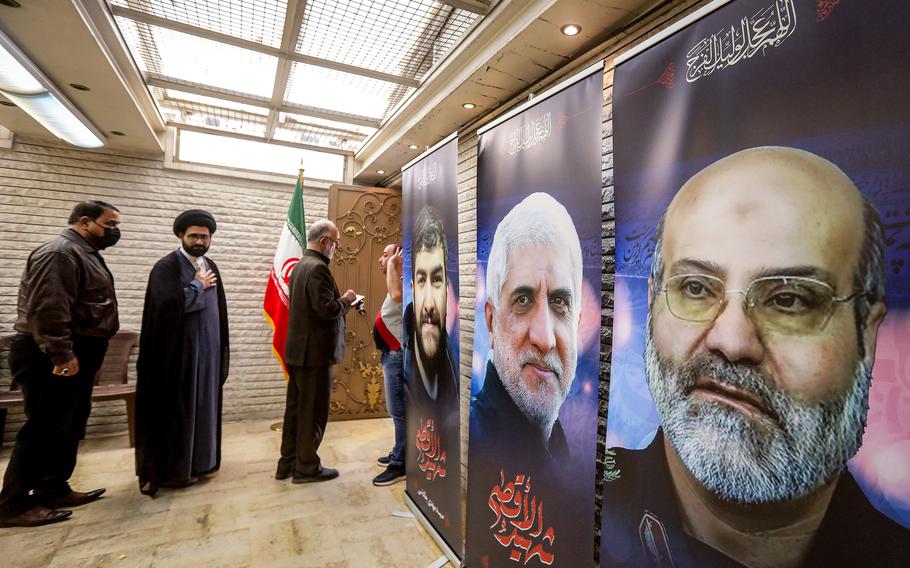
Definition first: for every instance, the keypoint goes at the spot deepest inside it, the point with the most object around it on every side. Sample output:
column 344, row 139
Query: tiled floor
column 240, row 517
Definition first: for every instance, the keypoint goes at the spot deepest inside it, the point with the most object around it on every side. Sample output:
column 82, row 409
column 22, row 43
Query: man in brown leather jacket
column 315, row 342
column 67, row 311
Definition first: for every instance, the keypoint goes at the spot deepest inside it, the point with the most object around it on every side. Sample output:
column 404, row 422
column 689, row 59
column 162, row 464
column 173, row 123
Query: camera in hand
column 360, row 304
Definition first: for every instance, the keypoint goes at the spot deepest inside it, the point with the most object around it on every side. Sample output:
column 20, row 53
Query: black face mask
column 110, row 238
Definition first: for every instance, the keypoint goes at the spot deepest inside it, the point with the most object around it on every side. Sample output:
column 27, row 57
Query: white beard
column 540, row 407
column 749, row 461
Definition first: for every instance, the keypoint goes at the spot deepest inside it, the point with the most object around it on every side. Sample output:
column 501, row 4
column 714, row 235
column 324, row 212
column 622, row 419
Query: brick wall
column 40, row 181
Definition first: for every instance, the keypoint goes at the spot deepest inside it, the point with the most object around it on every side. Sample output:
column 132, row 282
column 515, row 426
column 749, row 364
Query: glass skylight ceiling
column 326, row 80
column 343, row 92
column 395, row 36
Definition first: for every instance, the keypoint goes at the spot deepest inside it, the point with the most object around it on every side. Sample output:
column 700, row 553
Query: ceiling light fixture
column 25, row 85
column 380, row 171
column 413, row 146
column 570, row 29
column 468, row 106
column 117, row 133
column 79, row 87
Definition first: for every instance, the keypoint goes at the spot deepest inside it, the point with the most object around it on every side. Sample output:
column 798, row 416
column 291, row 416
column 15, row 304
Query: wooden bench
column 110, row 381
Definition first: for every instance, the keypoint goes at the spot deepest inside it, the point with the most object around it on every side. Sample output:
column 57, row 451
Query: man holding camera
column 315, row 342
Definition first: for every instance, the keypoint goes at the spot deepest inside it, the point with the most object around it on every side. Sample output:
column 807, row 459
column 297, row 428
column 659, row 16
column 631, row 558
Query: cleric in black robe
column 183, row 362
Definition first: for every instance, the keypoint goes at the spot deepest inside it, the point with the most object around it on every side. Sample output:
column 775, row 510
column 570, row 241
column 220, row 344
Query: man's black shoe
column 384, row 461
column 283, row 472
column 73, row 499
column 325, row 474
column 35, row 517
column 392, row 474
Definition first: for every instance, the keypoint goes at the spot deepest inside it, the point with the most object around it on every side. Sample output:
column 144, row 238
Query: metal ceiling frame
column 476, row 6
column 287, row 56
column 293, row 20
column 252, row 138
column 286, row 52
column 155, row 80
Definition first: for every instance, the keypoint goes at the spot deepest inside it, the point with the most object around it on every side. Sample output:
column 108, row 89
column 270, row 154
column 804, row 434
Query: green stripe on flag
column 296, row 218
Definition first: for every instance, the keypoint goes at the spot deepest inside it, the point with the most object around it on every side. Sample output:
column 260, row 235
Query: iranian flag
column 290, row 249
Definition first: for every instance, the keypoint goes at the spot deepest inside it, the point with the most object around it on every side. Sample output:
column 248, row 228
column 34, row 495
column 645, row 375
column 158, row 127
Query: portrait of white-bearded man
column 532, row 312
column 766, row 294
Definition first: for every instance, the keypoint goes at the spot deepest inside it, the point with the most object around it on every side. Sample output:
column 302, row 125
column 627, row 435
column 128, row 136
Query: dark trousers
column 393, row 371
column 305, row 415
column 56, row 410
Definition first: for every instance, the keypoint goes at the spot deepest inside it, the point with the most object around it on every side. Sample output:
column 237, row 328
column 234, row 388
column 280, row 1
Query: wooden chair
column 13, row 397
column 110, row 381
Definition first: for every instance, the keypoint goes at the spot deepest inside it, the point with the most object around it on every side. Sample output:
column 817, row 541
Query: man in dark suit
column 315, row 342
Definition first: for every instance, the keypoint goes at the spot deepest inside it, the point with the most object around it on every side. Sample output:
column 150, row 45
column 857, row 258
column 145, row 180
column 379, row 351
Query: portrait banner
column 759, row 407
column 534, row 376
column 430, row 292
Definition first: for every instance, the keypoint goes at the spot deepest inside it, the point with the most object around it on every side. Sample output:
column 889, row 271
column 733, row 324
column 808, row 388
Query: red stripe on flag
column 276, row 311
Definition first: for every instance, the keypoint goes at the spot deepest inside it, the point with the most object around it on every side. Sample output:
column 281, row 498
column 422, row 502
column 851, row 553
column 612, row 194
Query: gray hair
column 871, row 274
column 537, row 220
column 318, row 230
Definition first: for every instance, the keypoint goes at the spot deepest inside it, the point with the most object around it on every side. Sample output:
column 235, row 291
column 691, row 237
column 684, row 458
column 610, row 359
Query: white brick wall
column 40, row 181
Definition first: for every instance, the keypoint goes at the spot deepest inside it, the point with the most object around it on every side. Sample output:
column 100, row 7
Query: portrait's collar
column 495, row 393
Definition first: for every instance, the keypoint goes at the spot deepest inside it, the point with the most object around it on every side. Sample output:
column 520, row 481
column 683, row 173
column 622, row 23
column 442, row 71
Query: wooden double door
column 368, row 218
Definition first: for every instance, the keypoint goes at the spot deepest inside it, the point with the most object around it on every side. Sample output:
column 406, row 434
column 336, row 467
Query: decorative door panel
column 368, row 218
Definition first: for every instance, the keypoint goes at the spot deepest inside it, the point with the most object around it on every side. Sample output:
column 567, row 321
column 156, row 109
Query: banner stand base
column 431, row 530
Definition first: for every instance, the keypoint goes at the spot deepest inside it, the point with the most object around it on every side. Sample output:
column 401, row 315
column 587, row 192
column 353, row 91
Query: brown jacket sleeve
column 53, row 281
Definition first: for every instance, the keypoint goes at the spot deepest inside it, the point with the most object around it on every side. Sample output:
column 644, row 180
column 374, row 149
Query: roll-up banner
column 537, row 333
column 430, row 291
column 759, row 409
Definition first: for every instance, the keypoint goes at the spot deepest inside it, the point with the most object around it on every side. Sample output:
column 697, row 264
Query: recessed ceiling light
column 570, row 29
column 117, row 133
column 468, row 106
column 79, row 87
column 11, row 3
column 25, row 85
column 7, row 103
column 380, row 171
column 413, row 146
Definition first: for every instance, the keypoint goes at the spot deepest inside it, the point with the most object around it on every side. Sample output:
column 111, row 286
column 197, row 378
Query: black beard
column 197, row 250
column 431, row 364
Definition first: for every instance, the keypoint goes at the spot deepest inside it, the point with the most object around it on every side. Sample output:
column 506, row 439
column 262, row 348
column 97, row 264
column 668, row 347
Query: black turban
column 196, row 217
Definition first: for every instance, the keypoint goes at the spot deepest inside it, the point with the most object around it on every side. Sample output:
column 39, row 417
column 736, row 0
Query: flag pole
column 277, row 426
